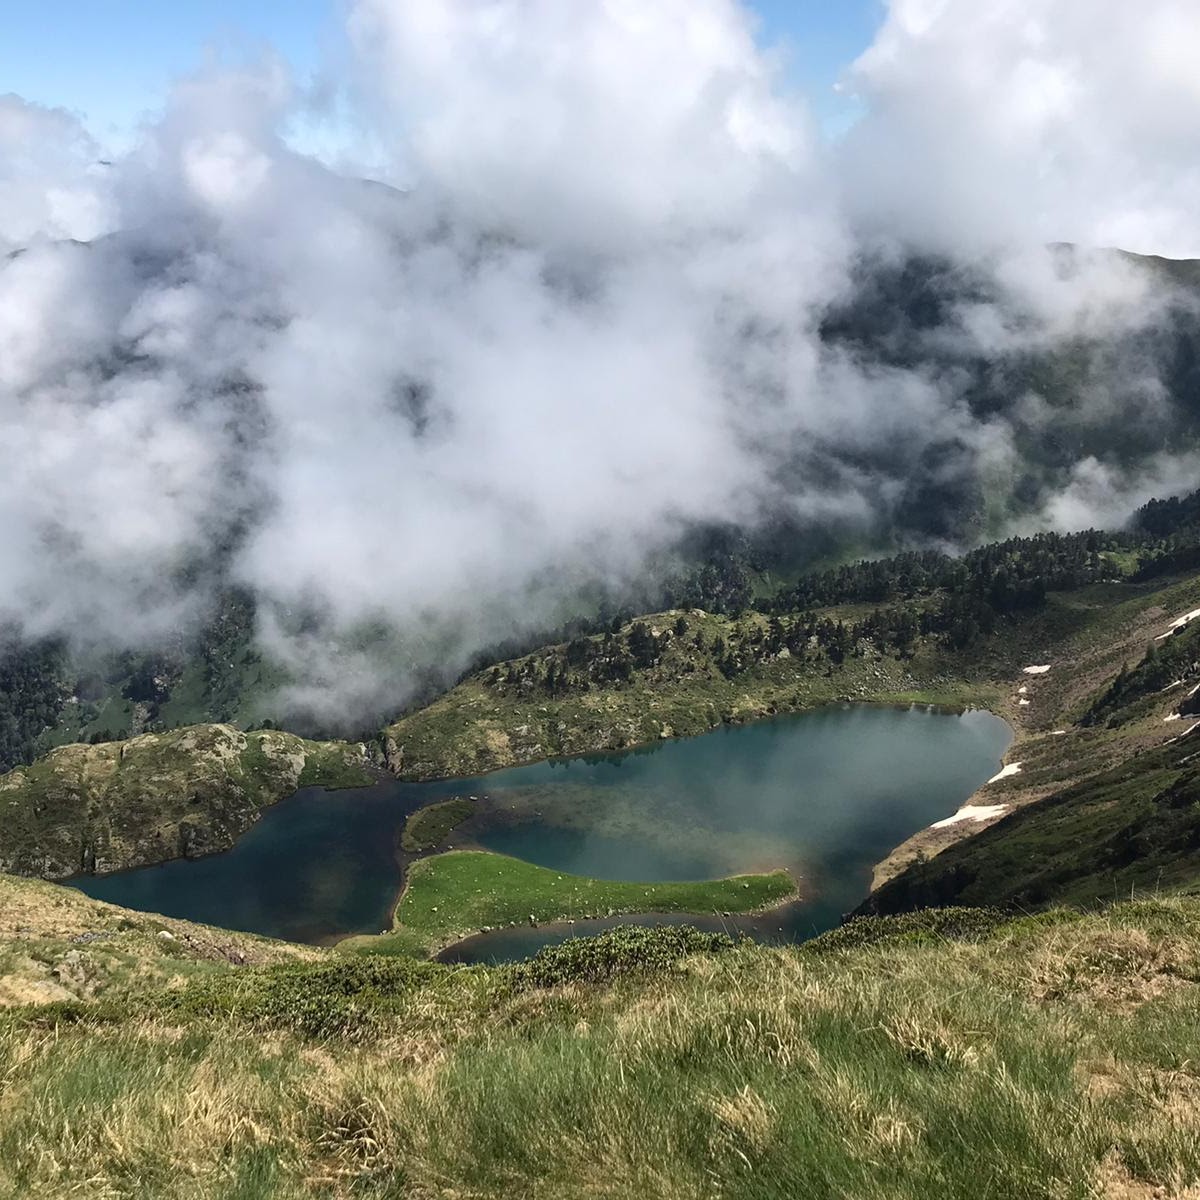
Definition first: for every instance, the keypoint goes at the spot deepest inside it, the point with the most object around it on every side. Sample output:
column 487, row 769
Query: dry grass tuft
column 928, row 1042
column 1114, row 1181
column 745, row 1114
column 1112, row 965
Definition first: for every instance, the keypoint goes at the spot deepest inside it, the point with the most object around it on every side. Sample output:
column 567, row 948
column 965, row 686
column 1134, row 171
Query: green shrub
column 625, row 950
column 341, row 998
column 64, row 1012
column 926, row 924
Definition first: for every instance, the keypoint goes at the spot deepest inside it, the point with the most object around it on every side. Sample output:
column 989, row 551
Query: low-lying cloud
column 590, row 310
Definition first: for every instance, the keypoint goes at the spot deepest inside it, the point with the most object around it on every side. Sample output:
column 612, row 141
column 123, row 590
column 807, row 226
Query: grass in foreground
column 450, row 896
column 1050, row 1057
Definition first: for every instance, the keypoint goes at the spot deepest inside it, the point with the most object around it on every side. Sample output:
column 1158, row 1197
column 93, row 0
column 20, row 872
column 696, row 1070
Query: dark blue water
column 826, row 794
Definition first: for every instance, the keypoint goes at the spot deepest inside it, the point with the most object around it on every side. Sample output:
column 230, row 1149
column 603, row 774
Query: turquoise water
column 826, row 794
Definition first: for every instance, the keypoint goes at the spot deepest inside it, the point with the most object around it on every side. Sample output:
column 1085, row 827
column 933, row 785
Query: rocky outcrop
column 93, row 809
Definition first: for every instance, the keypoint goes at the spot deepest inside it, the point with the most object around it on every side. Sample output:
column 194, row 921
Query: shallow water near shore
column 825, row 794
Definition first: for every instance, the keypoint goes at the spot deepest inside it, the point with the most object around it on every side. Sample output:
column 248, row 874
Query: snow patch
column 1058, row 733
column 1022, row 690
column 1173, row 717
column 1179, row 623
column 1023, row 702
column 1036, row 670
column 1005, row 773
column 972, row 812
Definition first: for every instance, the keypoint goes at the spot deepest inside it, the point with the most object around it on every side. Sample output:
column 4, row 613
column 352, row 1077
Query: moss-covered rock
column 186, row 793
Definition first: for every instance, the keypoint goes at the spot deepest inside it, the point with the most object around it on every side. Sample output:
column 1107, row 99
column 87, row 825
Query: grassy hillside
column 1091, row 639
column 100, row 808
column 1135, row 828
column 921, row 1057
column 704, row 670
column 1129, row 823
column 57, row 944
column 918, row 627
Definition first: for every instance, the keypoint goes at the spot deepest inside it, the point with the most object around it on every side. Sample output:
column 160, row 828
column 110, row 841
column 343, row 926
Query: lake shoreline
column 899, row 704
column 645, row 748
column 382, row 775
column 826, row 791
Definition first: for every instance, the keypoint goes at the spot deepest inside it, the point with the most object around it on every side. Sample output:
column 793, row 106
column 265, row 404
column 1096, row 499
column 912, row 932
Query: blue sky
column 822, row 38
column 111, row 60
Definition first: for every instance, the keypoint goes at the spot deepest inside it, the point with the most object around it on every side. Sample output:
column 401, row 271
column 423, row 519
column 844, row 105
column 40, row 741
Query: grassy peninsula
column 950, row 1055
column 429, row 827
column 449, row 896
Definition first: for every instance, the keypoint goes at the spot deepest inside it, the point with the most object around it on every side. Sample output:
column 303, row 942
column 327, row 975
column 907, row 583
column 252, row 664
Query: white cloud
column 1104, row 496
column 594, row 124
column 51, row 183
column 590, row 321
column 1035, row 120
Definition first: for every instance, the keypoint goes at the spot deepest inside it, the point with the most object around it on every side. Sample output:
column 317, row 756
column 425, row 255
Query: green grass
column 332, row 765
column 452, row 895
column 1124, row 562
column 233, row 685
column 429, row 827
column 78, row 722
column 1047, row 1058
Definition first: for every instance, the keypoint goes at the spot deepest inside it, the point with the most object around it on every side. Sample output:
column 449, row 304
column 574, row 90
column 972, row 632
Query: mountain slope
column 1129, row 824
column 1132, row 829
